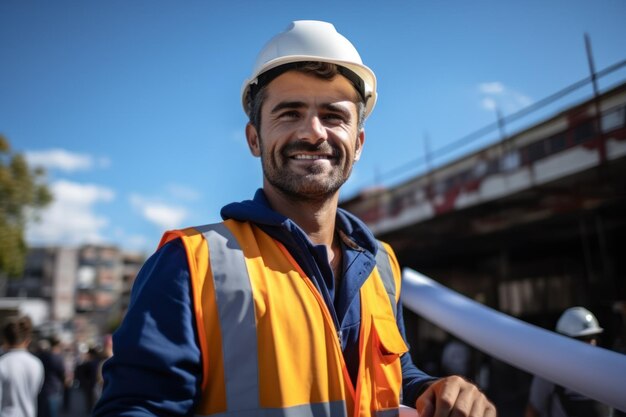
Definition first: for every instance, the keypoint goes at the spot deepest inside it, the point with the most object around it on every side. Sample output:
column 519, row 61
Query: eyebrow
column 287, row 105
column 300, row 104
column 334, row 107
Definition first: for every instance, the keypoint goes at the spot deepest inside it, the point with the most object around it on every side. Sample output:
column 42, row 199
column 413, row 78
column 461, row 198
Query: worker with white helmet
column 551, row 400
column 579, row 323
column 290, row 306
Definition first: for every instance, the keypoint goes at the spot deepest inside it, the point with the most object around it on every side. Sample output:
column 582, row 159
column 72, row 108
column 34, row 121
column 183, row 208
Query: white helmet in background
column 578, row 322
column 312, row 40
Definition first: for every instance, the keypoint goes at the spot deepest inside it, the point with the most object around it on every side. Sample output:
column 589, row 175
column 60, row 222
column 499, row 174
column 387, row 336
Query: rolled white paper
column 407, row 411
column 590, row 370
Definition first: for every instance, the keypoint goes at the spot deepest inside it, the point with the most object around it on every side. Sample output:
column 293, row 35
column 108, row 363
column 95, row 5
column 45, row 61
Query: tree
column 21, row 193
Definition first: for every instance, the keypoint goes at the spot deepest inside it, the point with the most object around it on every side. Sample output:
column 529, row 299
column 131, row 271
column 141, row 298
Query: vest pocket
column 390, row 341
column 388, row 346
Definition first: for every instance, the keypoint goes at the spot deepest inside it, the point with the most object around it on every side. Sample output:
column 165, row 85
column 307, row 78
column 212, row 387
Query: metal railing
column 590, row 370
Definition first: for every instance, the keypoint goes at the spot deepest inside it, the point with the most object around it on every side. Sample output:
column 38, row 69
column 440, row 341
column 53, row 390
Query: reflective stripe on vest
column 394, row 412
column 336, row 408
column 384, row 269
column 236, row 316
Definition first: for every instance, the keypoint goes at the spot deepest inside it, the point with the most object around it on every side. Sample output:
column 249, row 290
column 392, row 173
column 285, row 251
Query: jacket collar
column 258, row 211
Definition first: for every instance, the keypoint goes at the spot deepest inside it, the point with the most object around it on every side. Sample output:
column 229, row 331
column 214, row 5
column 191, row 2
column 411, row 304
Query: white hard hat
column 312, row 40
column 578, row 322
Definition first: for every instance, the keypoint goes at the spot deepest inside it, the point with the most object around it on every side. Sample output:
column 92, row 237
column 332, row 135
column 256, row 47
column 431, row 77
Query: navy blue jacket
column 156, row 368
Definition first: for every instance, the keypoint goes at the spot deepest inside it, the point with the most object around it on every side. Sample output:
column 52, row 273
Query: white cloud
column 491, row 88
column 497, row 95
column 163, row 215
column 103, row 162
column 70, row 219
column 489, row 103
column 138, row 242
column 522, row 99
column 182, row 192
column 133, row 242
column 64, row 160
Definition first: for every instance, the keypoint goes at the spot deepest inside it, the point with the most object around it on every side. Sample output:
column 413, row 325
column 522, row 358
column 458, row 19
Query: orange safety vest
column 269, row 345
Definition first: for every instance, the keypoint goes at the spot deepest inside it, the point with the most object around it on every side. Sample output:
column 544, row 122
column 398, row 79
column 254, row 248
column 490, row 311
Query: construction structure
column 530, row 224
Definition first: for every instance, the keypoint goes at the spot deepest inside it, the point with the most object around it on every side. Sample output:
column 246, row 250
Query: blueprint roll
column 407, row 412
column 590, row 370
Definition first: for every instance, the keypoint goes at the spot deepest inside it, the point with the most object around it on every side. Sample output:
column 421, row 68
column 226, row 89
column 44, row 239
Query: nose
column 312, row 129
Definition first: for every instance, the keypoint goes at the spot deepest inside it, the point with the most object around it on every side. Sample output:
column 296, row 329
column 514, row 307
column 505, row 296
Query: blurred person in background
column 69, row 361
column 51, row 395
column 547, row 399
column 21, row 372
column 107, row 352
column 86, row 374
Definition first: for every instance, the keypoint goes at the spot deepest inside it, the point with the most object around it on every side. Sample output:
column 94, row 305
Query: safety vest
column 269, row 345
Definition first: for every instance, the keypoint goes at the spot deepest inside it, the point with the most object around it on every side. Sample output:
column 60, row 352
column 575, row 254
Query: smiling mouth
column 301, row 157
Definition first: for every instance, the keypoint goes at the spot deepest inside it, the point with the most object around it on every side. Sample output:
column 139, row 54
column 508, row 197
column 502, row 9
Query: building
column 49, row 274
column 85, row 289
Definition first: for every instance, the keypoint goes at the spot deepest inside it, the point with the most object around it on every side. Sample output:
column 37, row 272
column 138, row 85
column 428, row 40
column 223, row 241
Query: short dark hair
column 323, row 70
column 54, row 340
column 17, row 330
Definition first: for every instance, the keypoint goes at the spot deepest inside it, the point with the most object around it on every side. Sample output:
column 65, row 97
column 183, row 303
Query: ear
column 252, row 137
column 360, row 140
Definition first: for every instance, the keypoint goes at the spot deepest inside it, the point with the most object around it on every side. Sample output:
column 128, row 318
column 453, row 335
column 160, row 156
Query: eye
column 290, row 114
column 335, row 117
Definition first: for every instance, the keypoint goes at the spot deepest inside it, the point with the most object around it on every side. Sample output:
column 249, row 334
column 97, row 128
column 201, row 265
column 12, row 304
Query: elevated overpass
column 529, row 226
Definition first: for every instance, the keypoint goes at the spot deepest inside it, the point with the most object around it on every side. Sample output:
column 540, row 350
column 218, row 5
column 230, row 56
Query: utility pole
column 596, row 100
column 500, row 124
column 430, row 191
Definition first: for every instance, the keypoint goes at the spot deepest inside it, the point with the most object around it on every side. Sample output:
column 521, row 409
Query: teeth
column 311, row 157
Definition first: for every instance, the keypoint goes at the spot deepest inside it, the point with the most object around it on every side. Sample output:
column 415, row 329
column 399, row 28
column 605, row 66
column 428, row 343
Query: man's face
column 308, row 140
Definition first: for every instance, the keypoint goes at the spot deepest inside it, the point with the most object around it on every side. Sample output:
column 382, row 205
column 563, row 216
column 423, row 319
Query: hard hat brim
column 362, row 71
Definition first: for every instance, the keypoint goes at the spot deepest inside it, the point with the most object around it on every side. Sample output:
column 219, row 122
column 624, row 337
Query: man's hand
column 455, row 397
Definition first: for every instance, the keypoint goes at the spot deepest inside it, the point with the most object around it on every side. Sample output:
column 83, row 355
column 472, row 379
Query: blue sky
column 134, row 106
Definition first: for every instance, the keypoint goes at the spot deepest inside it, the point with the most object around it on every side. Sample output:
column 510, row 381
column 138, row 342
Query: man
column 21, row 373
column 87, row 373
column 289, row 307
column 51, row 393
column 551, row 400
